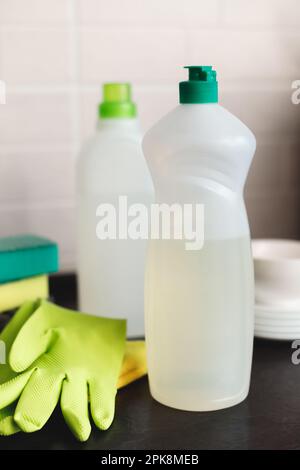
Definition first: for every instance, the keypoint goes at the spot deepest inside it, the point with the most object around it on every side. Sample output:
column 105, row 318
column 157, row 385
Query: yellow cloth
column 134, row 363
column 13, row 294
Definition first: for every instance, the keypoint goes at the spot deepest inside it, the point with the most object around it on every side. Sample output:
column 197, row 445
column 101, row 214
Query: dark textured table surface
column 268, row 419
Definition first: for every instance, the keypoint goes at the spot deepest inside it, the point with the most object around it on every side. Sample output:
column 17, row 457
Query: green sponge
column 24, row 256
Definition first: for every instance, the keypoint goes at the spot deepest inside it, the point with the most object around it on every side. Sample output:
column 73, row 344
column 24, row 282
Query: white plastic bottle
column 199, row 304
column 111, row 271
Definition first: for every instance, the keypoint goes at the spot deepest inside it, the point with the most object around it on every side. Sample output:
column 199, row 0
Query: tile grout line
column 74, row 71
column 73, row 87
column 57, row 204
column 229, row 85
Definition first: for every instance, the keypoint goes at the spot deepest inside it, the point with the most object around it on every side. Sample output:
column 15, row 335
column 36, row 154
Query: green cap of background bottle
column 201, row 87
column 117, row 101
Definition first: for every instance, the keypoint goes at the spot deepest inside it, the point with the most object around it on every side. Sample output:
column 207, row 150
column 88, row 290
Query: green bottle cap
column 201, row 87
column 117, row 101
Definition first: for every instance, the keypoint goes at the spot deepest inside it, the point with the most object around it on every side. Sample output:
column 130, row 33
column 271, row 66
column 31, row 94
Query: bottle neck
column 119, row 124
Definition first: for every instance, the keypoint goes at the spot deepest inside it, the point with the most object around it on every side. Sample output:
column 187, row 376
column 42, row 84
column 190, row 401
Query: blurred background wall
column 54, row 55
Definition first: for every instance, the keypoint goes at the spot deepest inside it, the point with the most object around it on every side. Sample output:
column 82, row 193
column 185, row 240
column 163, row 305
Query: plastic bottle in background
column 199, row 304
column 111, row 272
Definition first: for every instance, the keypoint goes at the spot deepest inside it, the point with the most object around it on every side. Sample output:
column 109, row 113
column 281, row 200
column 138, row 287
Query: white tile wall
column 143, row 56
column 41, row 117
column 54, row 55
column 40, row 12
column 261, row 13
column 51, row 220
column 246, row 54
column 36, row 176
column 34, row 56
column 141, row 13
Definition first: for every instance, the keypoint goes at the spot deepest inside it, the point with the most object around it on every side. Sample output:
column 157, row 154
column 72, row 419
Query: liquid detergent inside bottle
column 112, row 166
column 199, row 303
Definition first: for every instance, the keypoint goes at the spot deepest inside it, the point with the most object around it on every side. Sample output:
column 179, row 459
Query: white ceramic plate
column 276, row 336
column 281, row 329
column 276, row 314
column 277, row 274
column 277, row 322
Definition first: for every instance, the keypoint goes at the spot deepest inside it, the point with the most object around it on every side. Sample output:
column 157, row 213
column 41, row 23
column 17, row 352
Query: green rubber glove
column 133, row 368
column 8, row 336
column 66, row 356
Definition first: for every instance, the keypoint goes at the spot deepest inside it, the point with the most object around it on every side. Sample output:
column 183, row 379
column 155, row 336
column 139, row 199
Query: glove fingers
column 33, row 333
column 11, row 390
column 74, row 406
column 7, row 423
column 38, row 401
column 102, row 401
column 14, row 325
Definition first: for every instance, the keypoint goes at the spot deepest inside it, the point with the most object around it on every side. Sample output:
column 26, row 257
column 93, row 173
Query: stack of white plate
column 276, row 323
column 277, row 289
